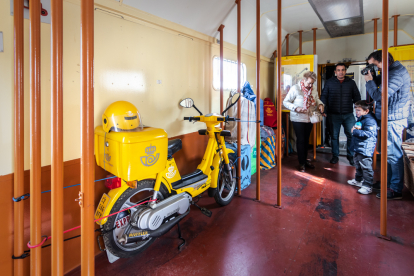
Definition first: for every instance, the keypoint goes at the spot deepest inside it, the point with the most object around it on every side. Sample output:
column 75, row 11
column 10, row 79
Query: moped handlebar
column 192, row 118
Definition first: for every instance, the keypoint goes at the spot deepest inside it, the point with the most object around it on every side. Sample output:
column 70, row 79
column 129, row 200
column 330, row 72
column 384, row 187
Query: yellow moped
column 148, row 178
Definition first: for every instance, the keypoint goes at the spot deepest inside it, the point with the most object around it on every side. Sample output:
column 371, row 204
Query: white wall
column 131, row 55
column 356, row 47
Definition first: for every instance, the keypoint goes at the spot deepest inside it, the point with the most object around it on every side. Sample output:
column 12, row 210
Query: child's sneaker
column 365, row 190
column 353, row 182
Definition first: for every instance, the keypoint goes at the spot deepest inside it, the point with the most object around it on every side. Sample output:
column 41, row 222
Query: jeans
column 395, row 161
column 348, row 121
column 302, row 131
column 363, row 165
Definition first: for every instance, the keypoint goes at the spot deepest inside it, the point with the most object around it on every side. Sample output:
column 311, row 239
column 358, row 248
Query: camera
column 369, row 68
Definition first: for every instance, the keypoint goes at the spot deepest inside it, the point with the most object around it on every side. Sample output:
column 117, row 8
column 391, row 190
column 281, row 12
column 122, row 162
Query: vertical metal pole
column 287, row 45
column 300, row 42
column 314, row 125
column 238, row 2
column 87, row 151
column 279, row 103
column 375, row 33
column 384, row 118
column 220, row 29
column 374, row 161
column 57, row 136
column 35, row 137
column 258, row 141
column 18, row 135
column 396, row 30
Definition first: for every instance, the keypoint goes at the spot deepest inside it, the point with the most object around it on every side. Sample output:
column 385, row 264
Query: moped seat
column 174, row 146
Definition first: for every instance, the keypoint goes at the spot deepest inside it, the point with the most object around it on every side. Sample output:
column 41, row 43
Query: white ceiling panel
column 206, row 16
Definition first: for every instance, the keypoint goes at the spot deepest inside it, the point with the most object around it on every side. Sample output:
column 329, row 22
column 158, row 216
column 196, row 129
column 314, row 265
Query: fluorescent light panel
column 340, row 17
column 330, row 10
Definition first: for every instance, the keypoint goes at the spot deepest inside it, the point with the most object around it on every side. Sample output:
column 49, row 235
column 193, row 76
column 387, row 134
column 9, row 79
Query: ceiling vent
column 340, row 17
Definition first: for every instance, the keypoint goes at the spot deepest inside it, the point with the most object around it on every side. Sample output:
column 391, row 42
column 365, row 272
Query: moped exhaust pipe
column 132, row 235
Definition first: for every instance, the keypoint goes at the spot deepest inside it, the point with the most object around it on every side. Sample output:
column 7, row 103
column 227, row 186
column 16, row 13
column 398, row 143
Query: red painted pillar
column 258, row 141
column 87, row 140
column 238, row 2
column 300, row 42
column 287, row 45
column 396, row 30
column 57, row 136
column 279, row 103
column 18, row 135
column 384, row 119
column 220, row 29
column 35, row 137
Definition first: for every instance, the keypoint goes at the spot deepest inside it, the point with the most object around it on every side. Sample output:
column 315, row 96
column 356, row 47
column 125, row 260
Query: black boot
column 334, row 160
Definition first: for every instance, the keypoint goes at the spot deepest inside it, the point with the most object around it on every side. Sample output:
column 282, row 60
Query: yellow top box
column 131, row 155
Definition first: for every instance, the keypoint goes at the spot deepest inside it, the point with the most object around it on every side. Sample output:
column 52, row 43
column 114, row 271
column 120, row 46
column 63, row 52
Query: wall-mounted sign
column 350, row 75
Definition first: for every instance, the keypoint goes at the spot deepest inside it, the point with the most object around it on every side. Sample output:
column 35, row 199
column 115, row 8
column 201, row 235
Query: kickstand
column 180, row 237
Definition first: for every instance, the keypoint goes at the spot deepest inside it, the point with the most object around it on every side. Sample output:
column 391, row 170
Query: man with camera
column 339, row 95
column 399, row 103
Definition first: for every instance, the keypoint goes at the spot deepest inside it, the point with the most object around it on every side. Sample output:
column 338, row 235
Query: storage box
column 132, row 155
column 409, row 166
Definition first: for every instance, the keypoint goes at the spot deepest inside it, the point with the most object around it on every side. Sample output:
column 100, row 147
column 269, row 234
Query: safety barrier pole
column 279, row 104
column 57, row 136
column 375, row 32
column 35, row 136
column 314, row 125
column 18, row 135
column 384, row 119
column 396, row 29
column 374, row 161
column 300, row 42
column 287, row 44
column 258, row 141
column 220, row 29
column 86, row 195
column 238, row 2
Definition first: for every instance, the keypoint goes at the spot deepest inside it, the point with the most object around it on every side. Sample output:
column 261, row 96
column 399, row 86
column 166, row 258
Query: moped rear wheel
column 225, row 187
column 116, row 225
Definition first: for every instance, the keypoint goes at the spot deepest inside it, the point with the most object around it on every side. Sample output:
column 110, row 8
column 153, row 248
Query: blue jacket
column 365, row 139
column 399, row 100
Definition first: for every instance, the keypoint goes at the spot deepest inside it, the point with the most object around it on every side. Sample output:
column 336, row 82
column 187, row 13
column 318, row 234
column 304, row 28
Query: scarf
column 308, row 100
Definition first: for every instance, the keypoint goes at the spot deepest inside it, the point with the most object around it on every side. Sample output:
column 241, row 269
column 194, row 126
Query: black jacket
column 365, row 139
column 340, row 97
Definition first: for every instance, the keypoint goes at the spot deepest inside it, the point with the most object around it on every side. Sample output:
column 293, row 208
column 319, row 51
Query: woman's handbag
column 316, row 117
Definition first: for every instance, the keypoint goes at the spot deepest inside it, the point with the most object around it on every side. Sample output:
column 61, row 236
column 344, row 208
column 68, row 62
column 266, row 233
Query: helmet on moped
column 121, row 116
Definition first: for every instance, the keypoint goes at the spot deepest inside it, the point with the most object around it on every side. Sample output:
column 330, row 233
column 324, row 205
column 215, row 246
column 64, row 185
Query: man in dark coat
column 399, row 103
column 339, row 95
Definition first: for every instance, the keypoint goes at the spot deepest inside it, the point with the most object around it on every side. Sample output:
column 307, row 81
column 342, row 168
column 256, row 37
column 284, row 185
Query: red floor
column 324, row 228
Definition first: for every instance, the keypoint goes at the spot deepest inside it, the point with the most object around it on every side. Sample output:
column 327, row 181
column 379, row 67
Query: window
column 229, row 76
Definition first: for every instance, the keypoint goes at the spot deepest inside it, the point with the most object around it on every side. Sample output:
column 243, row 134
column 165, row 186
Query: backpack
column 248, row 93
column 270, row 115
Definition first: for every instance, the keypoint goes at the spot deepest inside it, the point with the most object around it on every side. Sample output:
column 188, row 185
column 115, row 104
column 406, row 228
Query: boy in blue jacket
column 364, row 139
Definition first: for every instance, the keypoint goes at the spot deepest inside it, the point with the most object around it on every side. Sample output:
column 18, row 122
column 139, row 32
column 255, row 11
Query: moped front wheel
column 115, row 226
column 226, row 185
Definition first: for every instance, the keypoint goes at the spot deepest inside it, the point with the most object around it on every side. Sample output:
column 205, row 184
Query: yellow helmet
column 121, row 116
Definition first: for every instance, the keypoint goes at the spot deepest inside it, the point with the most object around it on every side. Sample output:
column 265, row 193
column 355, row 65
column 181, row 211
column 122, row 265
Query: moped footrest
column 206, row 212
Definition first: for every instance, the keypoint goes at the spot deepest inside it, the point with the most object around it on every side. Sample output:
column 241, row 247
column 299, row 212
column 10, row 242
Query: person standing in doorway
column 399, row 103
column 302, row 100
column 339, row 95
